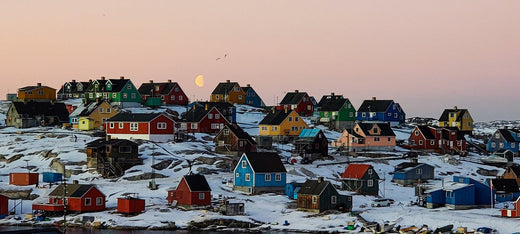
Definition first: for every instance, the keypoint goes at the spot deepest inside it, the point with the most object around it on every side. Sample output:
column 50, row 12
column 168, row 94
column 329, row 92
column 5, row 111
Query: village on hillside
column 105, row 153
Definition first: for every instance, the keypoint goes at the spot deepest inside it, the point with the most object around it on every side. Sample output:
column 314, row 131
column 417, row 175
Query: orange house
column 367, row 137
column 228, row 92
column 36, row 93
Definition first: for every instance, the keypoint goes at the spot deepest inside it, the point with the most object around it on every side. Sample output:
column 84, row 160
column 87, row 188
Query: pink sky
column 426, row 55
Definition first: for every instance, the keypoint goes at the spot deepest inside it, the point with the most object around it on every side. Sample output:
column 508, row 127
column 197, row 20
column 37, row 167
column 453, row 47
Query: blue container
column 51, row 177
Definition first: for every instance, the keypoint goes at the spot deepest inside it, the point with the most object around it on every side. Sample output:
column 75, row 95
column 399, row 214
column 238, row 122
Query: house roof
column 134, row 117
column 71, row 190
column 240, row 133
column 30, row 88
column 405, row 167
column 386, row 130
column 224, row 88
column 446, row 133
column 505, row 185
column 333, row 103
column 355, row 171
column 42, row 108
column 275, row 117
column 74, row 86
column 313, row 187
column 506, row 133
column 309, row 133
column 293, row 98
column 446, row 114
column 265, row 162
column 117, row 84
column 86, row 110
column 196, row 114
column 516, row 169
column 103, row 142
column 426, row 132
column 148, row 88
column 197, row 182
column 452, row 186
column 324, row 98
column 221, row 106
column 375, row 105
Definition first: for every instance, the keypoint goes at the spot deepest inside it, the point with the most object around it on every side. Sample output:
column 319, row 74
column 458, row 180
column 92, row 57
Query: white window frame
column 161, row 125
column 201, row 196
column 217, row 116
column 420, row 142
column 114, row 95
column 418, row 171
column 264, row 128
column 88, row 201
column 267, row 177
column 314, row 199
column 370, row 183
column 237, row 174
column 99, row 201
column 244, row 164
column 210, row 116
column 194, row 125
column 432, row 142
column 333, row 200
column 248, row 177
column 111, row 125
column 226, row 132
column 109, row 110
column 120, row 125
column 134, row 127
column 278, row 177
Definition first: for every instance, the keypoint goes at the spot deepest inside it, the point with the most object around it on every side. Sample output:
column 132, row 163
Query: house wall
column 436, row 199
column 253, row 99
column 85, row 124
column 239, row 181
column 48, row 94
column 78, row 204
column 261, row 182
column 98, row 117
column 461, row 197
column 195, row 200
column 304, row 203
column 130, row 206
column 4, row 206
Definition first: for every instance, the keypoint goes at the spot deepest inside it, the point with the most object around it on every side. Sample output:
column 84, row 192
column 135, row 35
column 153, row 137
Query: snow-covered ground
column 33, row 147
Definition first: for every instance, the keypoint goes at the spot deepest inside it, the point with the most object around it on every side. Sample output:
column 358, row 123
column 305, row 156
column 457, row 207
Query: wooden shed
column 130, row 204
column 23, row 178
column 4, row 206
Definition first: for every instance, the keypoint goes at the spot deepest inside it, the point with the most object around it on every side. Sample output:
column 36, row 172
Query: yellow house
column 228, row 92
column 282, row 123
column 36, row 93
column 93, row 115
column 459, row 118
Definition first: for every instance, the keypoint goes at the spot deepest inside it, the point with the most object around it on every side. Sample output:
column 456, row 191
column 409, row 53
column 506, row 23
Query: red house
column 157, row 127
column 193, row 190
column 203, row 120
column 515, row 212
column 79, row 197
column 437, row 139
column 4, row 206
column 170, row 93
column 301, row 102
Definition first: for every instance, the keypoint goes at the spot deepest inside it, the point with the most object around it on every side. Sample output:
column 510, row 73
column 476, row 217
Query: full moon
column 199, row 80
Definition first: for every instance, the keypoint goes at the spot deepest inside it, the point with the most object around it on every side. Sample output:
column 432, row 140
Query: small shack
column 292, row 189
column 4, row 206
column 515, row 212
column 130, row 204
column 229, row 208
column 52, row 177
column 23, row 178
column 193, row 191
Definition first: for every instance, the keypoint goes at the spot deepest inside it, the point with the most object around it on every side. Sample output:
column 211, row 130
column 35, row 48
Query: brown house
column 512, row 172
column 36, row 93
column 228, row 92
column 232, row 139
column 320, row 195
column 111, row 157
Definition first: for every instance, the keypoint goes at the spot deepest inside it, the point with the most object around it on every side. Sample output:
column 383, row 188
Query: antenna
column 152, row 185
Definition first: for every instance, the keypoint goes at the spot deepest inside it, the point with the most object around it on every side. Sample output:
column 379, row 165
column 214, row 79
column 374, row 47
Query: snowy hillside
column 41, row 148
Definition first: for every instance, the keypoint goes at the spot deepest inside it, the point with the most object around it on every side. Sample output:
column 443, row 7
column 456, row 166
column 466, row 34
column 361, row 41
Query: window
column 134, row 126
column 389, row 139
column 134, row 96
column 201, row 196
column 375, row 130
column 180, row 98
column 412, row 142
column 194, row 126
column 162, row 96
column 278, row 177
column 226, row 132
column 395, row 115
column 101, row 110
column 109, row 110
column 363, row 114
column 184, row 126
column 333, row 199
column 432, row 142
column 513, row 145
column 370, row 183
column 239, row 97
column 172, row 97
column 296, row 119
column 99, row 201
column 376, row 138
column 88, row 201
column 120, row 125
column 40, row 92
column 264, row 128
column 497, row 135
column 161, row 125
column 248, row 177
column 493, row 144
column 111, row 125
column 237, row 174
column 290, row 118
column 125, row 95
column 418, row 171
column 314, row 199
column 309, row 107
column 389, row 114
column 267, row 177
column 420, row 142
column 449, row 194
column 215, row 126
column 274, row 128
column 217, row 116
column 369, row 171
column 210, row 116
column 294, row 129
column 176, row 89
column 114, row 95
column 125, row 149
column 416, row 133
column 351, row 114
column 244, row 164
column 83, row 122
column 129, row 87
column 91, row 95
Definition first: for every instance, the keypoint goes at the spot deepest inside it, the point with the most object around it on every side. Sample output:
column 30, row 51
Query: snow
column 34, row 145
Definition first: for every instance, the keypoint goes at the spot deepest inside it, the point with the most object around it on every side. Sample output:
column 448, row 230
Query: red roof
column 355, row 171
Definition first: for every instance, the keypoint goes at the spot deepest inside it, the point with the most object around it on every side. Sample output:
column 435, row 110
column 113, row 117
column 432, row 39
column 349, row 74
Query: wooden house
column 360, row 178
column 92, row 116
column 504, row 139
column 367, row 137
column 282, row 125
column 336, row 112
column 165, row 93
column 156, row 127
column 232, row 139
column 381, row 111
column 292, row 189
column 252, row 98
column 299, row 102
column 258, row 172
column 512, row 172
column 228, row 92
column 79, row 197
column 36, row 93
column 505, row 189
column 130, row 204
column 311, row 144
column 459, row 118
column 320, row 195
column 112, row 157
column 437, row 139
column 4, row 206
column 515, row 212
column 228, row 110
column 118, row 92
column 34, row 114
column 411, row 173
column 193, row 191
column 23, row 178
column 462, row 193
column 73, row 89
column 202, row 120
column 231, row 208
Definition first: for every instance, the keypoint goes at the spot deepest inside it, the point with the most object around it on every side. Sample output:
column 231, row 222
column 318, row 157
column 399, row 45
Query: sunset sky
column 426, row 55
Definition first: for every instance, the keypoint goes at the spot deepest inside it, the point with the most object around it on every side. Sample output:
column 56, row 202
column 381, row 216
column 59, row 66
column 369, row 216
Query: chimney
column 151, row 81
column 273, row 110
column 227, row 81
column 285, row 109
column 415, row 160
column 455, row 107
column 169, row 81
column 248, row 85
column 332, row 94
column 102, row 78
column 90, row 80
column 206, row 107
column 122, row 77
column 73, row 81
column 75, row 182
column 320, row 179
column 296, row 91
column 39, row 84
column 373, row 98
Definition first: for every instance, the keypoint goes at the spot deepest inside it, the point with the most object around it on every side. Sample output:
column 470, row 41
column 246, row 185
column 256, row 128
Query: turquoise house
column 259, row 172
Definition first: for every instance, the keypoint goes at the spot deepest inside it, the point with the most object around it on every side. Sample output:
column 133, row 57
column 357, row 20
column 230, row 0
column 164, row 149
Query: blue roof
column 309, row 133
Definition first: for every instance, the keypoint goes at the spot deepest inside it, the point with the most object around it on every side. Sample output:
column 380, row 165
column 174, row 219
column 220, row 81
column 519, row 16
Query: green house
column 336, row 112
column 118, row 92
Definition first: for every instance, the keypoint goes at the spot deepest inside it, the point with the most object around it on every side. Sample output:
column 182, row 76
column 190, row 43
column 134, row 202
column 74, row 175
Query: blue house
column 291, row 190
column 252, row 97
column 381, row 111
column 462, row 193
column 258, row 172
column 504, row 139
column 505, row 189
column 410, row 173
